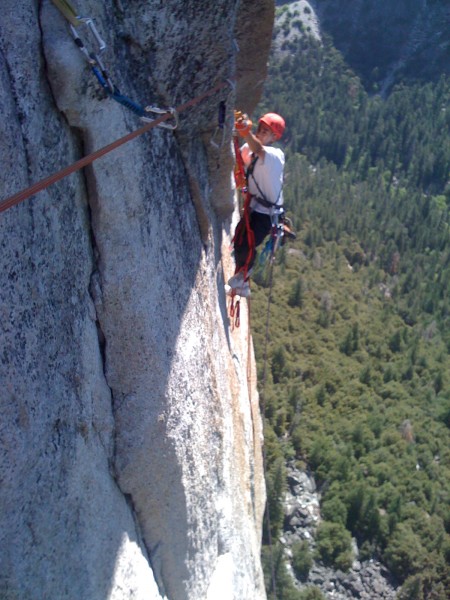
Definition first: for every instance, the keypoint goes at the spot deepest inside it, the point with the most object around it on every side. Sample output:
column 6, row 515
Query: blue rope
column 128, row 103
column 117, row 96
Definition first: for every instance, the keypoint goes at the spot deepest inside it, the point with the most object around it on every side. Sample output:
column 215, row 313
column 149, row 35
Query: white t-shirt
column 268, row 172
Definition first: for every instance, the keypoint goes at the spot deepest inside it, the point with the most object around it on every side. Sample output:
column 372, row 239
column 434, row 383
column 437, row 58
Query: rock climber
column 265, row 166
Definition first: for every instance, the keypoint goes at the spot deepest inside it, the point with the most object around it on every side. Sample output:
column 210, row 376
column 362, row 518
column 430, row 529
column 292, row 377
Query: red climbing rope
column 90, row 158
column 243, row 227
column 239, row 168
column 235, row 311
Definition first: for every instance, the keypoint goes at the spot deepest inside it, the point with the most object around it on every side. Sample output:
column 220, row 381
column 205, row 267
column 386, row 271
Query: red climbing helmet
column 275, row 123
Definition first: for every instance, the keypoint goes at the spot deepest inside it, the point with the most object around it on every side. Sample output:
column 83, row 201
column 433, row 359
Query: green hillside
column 356, row 381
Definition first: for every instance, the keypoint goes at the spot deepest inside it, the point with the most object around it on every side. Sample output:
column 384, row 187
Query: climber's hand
column 242, row 124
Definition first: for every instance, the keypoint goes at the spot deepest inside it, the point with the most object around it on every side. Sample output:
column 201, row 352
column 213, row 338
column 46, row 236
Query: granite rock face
column 130, row 444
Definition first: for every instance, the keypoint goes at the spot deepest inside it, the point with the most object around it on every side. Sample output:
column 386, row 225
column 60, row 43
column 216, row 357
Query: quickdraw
column 99, row 70
column 93, row 58
column 235, row 310
column 46, row 182
column 220, row 126
column 220, row 130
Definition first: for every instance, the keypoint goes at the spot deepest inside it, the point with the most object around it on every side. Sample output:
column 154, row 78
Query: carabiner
column 235, row 311
column 79, row 41
column 90, row 23
column 161, row 111
column 92, row 58
column 80, row 44
column 104, row 72
column 220, row 126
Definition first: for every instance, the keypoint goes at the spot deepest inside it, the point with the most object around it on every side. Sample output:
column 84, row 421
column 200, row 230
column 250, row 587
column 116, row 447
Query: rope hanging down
column 90, row 158
column 263, row 411
column 240, row 179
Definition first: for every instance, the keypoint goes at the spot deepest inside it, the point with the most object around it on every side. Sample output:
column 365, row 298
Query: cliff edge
column 130, row 444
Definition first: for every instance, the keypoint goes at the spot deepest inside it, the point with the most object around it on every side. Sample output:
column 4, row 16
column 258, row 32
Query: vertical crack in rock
column 96, row 294
column 45, row 67
column 148, row 551
column 131, row 408
column 6, row 68
column 88, row 181
column 203, row 220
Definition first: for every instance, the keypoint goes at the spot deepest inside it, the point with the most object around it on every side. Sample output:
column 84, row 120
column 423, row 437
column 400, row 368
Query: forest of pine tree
column 355, row 383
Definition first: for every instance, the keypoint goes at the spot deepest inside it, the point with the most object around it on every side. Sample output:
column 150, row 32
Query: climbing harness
column 244, row 229
column 280, row 232
column 261, row 199
column 96, row 64
column 241, row 180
